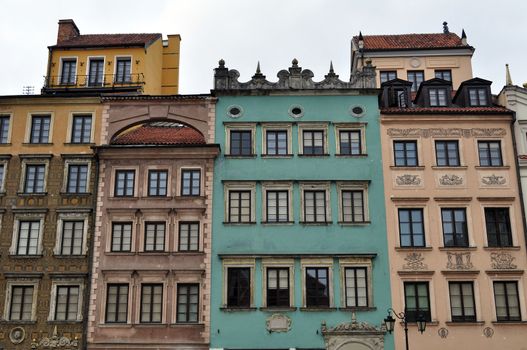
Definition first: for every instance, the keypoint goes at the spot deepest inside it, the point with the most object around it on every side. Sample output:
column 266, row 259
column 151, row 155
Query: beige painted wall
column 429, row 193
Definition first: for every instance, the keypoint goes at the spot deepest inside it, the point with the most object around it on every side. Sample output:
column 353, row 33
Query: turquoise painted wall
column 247, row 329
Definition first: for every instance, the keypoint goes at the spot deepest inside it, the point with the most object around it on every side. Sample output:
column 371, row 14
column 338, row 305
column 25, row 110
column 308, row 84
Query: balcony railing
column 102, row 81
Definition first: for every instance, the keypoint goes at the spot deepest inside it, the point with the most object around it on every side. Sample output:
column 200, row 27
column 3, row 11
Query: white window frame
column 29, row 124
column 120, row 218
column 278, row 186
column 70, row 126
column 76, row 161
column 313, row 127
column 239, row 186
column 15, row 282
column 115, row 58
column 146, row 183
column 279, row 263
column 240, row 127
column 34, row 161
column 88, row 63
column 64, row 281
column 187, row 278
column 354, row 186
column 113, row 177
column 315, row 186
column 361, row 128
column 3, row 163
column 353, row 263
column 84, row 217
column 16, row 227
column 137, row 287
column 234, row 263
column 179, row 185
column 287, row 127
column 147, row 218
column 59, row 73
column 117, row 279
column 476, row 296
column 10, row 130
column 521, row 294
column 317, row 263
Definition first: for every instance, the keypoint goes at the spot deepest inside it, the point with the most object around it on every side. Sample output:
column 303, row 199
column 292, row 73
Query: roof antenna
column 445, row 28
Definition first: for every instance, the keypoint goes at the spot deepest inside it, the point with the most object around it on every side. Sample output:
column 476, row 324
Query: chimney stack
column 67, row 30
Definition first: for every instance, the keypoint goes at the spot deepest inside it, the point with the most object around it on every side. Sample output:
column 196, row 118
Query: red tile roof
column 446, row 110
column 109, row 40
column 161, row 134
column 411, row 41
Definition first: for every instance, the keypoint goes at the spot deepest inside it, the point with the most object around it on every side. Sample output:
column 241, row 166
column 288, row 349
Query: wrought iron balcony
column 100, row 82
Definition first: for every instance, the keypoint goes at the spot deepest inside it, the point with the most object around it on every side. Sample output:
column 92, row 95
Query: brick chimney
column 67, row 30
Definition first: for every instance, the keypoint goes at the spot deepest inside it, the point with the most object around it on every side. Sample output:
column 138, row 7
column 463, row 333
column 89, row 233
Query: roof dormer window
column 478, row 96
column 438, row 97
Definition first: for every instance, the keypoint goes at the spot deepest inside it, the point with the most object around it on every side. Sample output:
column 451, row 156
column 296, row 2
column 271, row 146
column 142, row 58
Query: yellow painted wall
column 153, row 68
column 171, row 54
column 61, row 110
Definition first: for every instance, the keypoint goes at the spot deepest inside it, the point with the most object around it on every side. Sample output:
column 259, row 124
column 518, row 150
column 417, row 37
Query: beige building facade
column 454, row 222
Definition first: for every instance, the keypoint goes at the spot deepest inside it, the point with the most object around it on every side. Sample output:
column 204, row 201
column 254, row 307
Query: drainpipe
column 518, row 178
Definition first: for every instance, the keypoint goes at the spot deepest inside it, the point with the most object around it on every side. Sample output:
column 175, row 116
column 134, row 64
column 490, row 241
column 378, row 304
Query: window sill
column 64, row 322
column 6, row 144
column 414, row 323
column 449, row 167
column 311, row 223
column 236, row 309
column 188, row 253
column 498, row 167
column 74, row 194
column 354, row 223
column 410, row 249
column 166, row 198
column 150, row 325
column 19, row 322
column 277, row 156
column 160, row 253
column 314, row 155
column 186, row 197
column 60, row 256
column 506, row 323
column 239, row 223
column 36, row 194
column 79, row 144
column 446, row 249
column 116, row 325
column 277, row 309
column 418, row 167
column 318, row 308
column 362, row 155
column 465, row 323
column 248, row 156
column 188, row 324
column 119, row 253
column 502, row 248
column 35, row 256
column 277, row 223
column 358, row 308
column 37, row 144
column 121, row 198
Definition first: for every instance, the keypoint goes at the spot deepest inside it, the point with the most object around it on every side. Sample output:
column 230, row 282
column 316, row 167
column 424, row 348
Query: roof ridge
column 102, row 34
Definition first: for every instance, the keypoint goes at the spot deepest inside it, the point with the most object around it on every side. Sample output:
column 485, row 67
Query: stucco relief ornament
column 459, row 261
column 355, row 332
column 278, row 323
column 408, row 180
column 488, row 332
column 56, row 342
column 493, row 180
column 414, row 261
column 442, row 132
column 502, row 261
column 442, row 332
column 450, row 180
column 17, row 335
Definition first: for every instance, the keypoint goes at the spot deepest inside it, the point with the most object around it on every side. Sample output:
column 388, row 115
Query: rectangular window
column 188, row 236
column 34, row 180
column 507, row 301
column 81, row 129
column 278, row 287
column 356, row 285
column 68, row 75
column 187, row 303
column 28, row 237
column 72, row 237
column 478, row 97
column 21, row 303
column 122, row 70
column 276, row 142
column 277, row 206
column 190, row 182
column 314, row 206
column 67, row 303
column 2, row 175
column 411, row 228
column 416, row 77
column 117, row 303
column 445, row 74
column 317, row 287
column 124, row 183
column 238, row 287
column 40, row 127
column 438, row 97
column 489, row 153
column 313, row 141
column 498, row 224
column 455, row 232
column 151, row 303
column 239, row 206
column 352, row 206
column 96, row 72
column 350, row 142
column 241, row 143
column 4, row 129
column 405, row 153
column 462, row 303
column 77, row 178
column 154, row 236
column 157, row 182
column 417, row 301
column 447, row 153
column 121, row 236
column 388, row 75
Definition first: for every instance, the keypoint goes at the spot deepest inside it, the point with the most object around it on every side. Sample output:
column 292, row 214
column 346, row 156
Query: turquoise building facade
column 299, row 251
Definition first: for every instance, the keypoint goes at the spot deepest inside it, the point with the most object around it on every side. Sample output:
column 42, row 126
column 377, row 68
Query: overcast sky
column 270, row 31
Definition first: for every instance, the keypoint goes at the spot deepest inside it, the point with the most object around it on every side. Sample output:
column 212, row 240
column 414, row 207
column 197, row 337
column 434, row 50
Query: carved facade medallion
column 442, row 332
column 17, row 335
column 502, row 261
column 278, row 323
column 493, row 180
column 442, row 132
column 414, row 261
column 459, row 261
column 56, row 342
column 408, row 180
column 451, row 180
column 360, row 335
column 488, row 332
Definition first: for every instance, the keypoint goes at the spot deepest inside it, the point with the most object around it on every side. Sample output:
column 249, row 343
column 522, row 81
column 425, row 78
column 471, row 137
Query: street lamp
column 389, row 321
